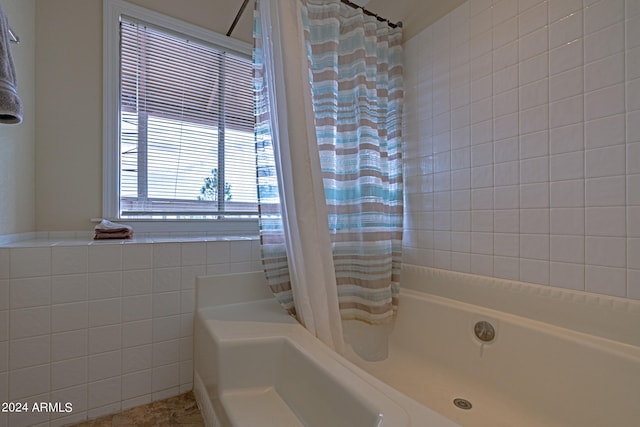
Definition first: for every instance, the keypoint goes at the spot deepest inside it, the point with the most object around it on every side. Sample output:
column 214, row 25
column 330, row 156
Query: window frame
column 112, row 11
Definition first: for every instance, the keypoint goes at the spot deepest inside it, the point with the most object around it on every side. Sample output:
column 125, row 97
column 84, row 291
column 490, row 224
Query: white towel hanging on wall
column 10, row 103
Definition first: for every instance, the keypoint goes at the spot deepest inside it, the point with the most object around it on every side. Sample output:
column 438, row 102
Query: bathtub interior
column 534, row 373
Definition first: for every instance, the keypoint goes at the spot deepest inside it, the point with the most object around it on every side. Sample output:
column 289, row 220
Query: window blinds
column 187, row 145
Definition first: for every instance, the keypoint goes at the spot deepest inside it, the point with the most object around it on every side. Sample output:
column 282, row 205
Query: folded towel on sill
column 111, row 230
column 113, row 235
column 10, row 103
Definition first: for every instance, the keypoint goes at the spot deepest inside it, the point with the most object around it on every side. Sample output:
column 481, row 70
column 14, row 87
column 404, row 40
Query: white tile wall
column 522, row 144
column 103, row 325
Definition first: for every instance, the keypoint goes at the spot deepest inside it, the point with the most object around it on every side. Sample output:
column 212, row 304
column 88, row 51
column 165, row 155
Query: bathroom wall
column 17, row 142
column 105, row 326
column 522, row 143
column 102, row 325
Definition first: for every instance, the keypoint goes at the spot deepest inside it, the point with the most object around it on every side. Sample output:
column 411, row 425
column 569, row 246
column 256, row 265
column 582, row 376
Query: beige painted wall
column 17, row 142
column 420, row 14
column 69, row 98
column 416, row 15
column 69, row 108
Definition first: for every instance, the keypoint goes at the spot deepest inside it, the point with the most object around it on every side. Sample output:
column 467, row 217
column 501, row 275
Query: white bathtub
column 559, row 358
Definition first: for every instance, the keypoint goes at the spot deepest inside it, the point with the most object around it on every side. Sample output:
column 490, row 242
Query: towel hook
column 13, row 38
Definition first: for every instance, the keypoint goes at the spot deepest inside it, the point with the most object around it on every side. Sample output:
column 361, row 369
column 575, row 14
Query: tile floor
column 178, row 411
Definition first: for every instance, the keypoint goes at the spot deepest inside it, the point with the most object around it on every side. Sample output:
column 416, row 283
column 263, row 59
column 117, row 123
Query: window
column 179, row 116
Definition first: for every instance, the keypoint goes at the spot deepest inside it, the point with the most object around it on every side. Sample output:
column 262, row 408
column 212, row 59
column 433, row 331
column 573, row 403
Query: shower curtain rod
column 369, row 13
column 237, row 18
column 347, row 2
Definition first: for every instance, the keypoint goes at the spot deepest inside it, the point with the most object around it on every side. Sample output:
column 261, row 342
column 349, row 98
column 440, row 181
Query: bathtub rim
column 604, row 316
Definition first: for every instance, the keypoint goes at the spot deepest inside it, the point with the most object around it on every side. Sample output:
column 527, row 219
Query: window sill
column 84, row 238
column 219, row 227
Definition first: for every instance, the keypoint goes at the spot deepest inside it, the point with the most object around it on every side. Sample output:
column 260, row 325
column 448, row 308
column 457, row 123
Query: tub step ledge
column 258, row 407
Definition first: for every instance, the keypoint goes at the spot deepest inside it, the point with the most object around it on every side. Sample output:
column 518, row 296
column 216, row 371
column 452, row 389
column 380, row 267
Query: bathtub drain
column 462, row 403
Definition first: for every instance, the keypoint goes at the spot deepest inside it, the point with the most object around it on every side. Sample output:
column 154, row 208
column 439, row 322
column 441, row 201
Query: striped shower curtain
column 355, row 72
column 357, row 90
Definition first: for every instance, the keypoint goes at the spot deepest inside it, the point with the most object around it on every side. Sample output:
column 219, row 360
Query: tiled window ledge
column 79, row 238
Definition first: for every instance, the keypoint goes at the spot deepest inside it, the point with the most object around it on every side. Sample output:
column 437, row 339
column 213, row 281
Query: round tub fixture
column 484, row 331
column 462, row 403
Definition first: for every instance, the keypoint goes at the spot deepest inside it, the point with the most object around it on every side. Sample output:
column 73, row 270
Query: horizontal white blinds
column 187, row 112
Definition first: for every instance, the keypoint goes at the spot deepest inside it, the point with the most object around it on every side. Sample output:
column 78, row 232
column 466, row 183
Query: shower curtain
column 329, row 119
